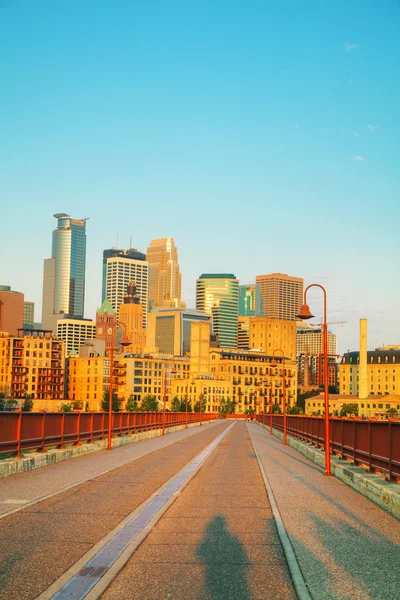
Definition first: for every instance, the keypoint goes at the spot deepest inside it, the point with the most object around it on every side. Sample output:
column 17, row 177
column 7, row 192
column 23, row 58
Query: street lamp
column 165, row 394
column 125, row 342
column 304, row 314
column 200, row 400
column 273, row 364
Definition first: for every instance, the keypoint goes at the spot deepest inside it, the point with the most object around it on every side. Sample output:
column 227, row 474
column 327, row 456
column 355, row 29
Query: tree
column 66, row 407
column 149, row 404
column 132, row 404
column 27, row 405
column 392, row 411
column 301, row 398
column 296, row 410
column 176, row 405
column 276, row 409
column 349, row 409
column 105, row 404
column 226, row 407
column 197, row 405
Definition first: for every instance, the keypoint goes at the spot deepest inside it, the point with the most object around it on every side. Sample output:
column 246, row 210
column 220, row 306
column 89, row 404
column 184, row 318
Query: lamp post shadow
column 225, row 560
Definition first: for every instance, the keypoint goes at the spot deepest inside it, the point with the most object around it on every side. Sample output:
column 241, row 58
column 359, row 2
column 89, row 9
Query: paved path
column 218, row 541
column 38, row 544
column 23, row 488
column 347, row 547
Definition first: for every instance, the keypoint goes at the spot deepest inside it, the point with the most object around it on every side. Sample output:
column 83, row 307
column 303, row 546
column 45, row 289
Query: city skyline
column 262, row 139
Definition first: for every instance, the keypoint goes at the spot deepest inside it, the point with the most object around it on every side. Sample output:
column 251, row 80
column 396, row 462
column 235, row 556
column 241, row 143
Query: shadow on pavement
column 225, row 559
column 353, row 563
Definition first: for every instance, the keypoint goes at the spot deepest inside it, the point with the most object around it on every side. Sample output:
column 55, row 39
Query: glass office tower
column 218, row 294
column 64, row 272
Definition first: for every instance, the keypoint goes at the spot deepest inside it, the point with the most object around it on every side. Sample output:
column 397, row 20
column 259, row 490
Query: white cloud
column 358, row 158
column 372, row 128
column 350, row 47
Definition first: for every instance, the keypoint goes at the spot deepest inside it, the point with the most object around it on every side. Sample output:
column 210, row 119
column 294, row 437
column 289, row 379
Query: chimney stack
column 362, row 365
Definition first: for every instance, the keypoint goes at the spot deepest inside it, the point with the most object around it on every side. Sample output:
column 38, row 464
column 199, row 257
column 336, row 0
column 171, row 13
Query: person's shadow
column 225, row 561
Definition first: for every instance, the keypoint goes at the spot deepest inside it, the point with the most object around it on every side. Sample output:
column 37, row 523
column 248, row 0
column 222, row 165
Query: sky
column 262, row 135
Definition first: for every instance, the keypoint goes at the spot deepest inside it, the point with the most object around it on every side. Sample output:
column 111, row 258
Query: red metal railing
column 22, row 431
column 372, row 444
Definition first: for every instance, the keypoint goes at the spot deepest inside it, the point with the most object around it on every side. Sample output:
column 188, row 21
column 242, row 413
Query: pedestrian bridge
column 219, row 512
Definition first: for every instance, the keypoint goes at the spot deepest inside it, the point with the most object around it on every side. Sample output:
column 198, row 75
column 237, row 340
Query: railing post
column 78, row 429
column 134, row 421
column 62, row 445
column 91, row 427
column 19, row 424
column 43, row 430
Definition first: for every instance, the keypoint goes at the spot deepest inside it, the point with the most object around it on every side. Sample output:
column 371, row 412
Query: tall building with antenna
column 64, row 272
column 120, row 268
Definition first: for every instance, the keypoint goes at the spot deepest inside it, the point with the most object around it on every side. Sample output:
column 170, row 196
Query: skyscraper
column 282, row 295
column 218, row 294
column 120, row 268
column 165, row 278
column 64, row 272
column 250, row 304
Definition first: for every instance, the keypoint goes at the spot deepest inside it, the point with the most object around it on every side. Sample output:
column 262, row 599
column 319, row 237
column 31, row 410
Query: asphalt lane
column 38, row 544
column 347, row 547
column 218, row 541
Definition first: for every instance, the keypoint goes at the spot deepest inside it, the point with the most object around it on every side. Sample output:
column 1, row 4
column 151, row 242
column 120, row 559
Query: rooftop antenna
column 117, row 239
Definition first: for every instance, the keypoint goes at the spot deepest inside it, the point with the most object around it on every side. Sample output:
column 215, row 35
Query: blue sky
column 262, row 135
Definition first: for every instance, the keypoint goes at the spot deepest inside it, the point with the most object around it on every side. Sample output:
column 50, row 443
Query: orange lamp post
column 306, row 314
column 125, row 342
column 274, row 364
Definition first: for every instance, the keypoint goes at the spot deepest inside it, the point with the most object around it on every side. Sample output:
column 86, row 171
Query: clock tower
column 105, row 323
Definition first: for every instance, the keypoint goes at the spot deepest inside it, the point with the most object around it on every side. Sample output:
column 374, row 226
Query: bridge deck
column 217, row 541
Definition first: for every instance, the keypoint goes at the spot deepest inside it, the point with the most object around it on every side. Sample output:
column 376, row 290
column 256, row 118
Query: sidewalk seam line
column 294, row 568
column 99, row 588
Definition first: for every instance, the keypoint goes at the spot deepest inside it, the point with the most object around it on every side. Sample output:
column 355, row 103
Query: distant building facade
column 217, row 294
column 74, row 333
column 11, row 310
column 282, row 295
column 250, row 302
column 169, row 329
column 32, row 363
column 165, row 280
column 64, row 272
column 29, row 315
column 383, row 373
column 120, row 267
column 131, row 316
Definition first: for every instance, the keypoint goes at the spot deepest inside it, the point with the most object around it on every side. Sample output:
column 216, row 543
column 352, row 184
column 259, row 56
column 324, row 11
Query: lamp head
column 173, row 370
column 273, row 362
column 125, row 341
column 305, row 313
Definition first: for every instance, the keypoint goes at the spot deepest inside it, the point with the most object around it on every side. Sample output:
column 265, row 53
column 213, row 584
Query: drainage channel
column 128, row 538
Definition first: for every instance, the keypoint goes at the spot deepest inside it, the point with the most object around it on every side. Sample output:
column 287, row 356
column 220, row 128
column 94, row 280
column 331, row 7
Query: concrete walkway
column 218, row 541
column 19, row 490
column 38, row 544
column 347, row 547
